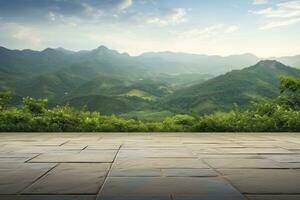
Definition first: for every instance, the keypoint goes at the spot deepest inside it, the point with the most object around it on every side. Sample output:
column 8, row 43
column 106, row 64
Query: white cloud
column 52, row 16
column 276, row 24
column 232, row 29
column 260, row 2
column 124, row 4
column 27, row 34
column 282, row 10
column 284, row 14
column 69, row 21
column 209, row 32
column 175, row 16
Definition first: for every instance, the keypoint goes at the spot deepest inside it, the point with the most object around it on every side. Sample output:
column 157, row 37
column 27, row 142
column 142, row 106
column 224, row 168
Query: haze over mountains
column 113, row 83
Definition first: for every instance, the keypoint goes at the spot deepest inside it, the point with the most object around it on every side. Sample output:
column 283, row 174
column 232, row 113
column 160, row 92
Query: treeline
column 281, row 114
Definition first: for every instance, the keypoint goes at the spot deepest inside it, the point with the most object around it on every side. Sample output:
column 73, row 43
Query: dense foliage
column 272, row 115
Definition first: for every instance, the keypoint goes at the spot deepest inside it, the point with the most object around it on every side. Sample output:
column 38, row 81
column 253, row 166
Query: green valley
column 149, row 87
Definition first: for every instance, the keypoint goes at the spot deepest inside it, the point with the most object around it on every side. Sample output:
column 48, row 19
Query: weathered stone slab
column 264, row 181
column 189, row 173
column 74, row 157
column 284, row 158
column 160, row 163
column 14, row 180
column 134, row 198
column 273, row 197
column 79, row 178
column 249, row 150
column 103, row 146
column 156, row 153
column 48, row 197
column 165, row 186
column 212, row 196
column 243, row 163
column 115, row 172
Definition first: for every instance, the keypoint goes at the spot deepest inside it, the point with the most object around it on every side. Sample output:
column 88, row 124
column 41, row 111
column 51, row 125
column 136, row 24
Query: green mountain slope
column 238, row 86
column 110, row 104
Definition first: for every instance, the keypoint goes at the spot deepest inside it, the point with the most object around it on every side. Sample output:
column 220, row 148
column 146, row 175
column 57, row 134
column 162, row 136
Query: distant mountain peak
column 271, row 64
column 63, row 50
column 102, row 48
column 48, row 50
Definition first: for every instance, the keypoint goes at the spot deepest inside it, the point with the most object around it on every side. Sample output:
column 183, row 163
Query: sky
column 265, row 28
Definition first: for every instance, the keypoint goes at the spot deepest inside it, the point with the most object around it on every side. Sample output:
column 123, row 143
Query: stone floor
column 143, row 166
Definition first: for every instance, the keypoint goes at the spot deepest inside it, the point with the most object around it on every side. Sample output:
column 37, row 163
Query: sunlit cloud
column 25, row 34
column 276, row 24
column 284, row 14
column 282, row 10
column 175, row 16
column 66, row 20
column 125, row 4
column 209, row 32
column 260, row 2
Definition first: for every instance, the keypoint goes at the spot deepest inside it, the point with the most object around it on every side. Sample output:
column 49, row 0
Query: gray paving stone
column 264, row 181
column 66, row 178
column 159, row 163
column 285, row 158
column 255, row 150
column 47, row 197
column 135, row 198
column 164, row 186
column 135, row 172
column 87, row 156
column 189, row 173
column 14, row 180
column 213, row 196
column 273, row 197
column 156, row 153
column 243, row 163
column 103, row 147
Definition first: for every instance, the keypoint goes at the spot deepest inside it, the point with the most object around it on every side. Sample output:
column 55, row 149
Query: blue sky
column 224, row 27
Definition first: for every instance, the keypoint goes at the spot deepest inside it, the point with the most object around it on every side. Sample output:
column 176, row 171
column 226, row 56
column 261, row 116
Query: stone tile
column 17, row 155
column 156, row 153
column 135, row 172
column 212, row 196
column 230, row 156
column 273, row 197
column 86, row 156
column 289, row 146
column 291, row 165
column 212, row 146
column 163, row 187
column 66, row 178
column 48, row 197
column 284, row 158
column 250, row 150
column 264, row 181
column 189, row 173
column 15, row 179
column 103, row 146
column 186, row 163
column 135, row 198
column 242, row 163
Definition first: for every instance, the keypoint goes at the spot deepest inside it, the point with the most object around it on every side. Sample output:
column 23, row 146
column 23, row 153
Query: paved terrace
column 149, row 167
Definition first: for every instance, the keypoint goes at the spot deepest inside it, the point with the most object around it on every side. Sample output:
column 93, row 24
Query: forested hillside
column 151, row 86
column 237, row 87
column 278, row 114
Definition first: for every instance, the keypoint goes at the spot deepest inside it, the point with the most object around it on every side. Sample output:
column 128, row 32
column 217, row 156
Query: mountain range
column 150, row 84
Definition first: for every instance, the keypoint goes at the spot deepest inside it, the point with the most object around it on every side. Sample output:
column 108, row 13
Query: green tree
column 36, row 106
column 4, row 98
